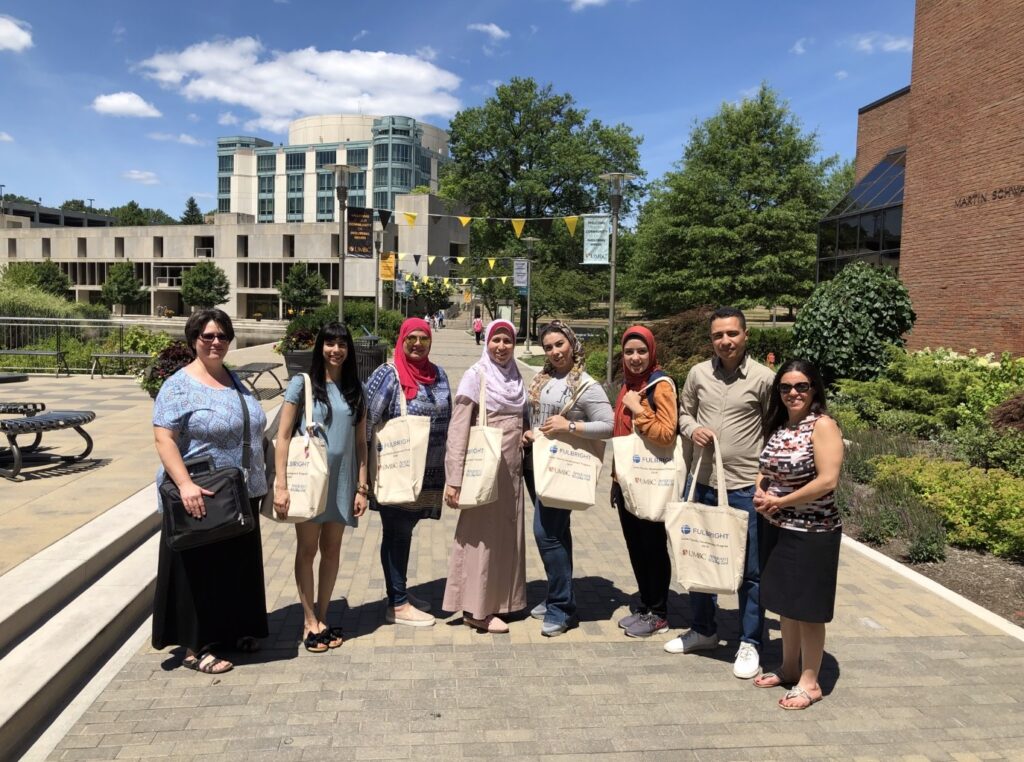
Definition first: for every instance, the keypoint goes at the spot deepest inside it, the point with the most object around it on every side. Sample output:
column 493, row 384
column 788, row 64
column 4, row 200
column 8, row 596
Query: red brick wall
column 964, row 265
column 880, row 130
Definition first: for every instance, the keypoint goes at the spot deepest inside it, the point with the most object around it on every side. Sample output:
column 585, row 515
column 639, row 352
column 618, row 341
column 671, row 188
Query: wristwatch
column 572, row 427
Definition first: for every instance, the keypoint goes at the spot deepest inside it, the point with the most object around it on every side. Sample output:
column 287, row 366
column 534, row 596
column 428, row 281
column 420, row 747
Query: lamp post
column 615, row 180
column 341, row 189
column 2, row 186
column 530, row 241
column 378, row 295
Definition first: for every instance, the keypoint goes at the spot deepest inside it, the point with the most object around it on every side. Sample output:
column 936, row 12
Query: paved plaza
column 907, row 673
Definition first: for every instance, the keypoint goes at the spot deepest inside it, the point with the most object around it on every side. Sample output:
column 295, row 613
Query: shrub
column 869, row 444
column 596, row 363
column 302, row 329
column 28, row 301
column 774, row 341
column 848, row 321
column 924, row 531
column 173, row 358
column 847, row 418
column 1008, row 416
column 877, row 516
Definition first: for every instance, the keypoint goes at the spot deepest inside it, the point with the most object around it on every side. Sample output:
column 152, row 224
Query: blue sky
column 120, row 100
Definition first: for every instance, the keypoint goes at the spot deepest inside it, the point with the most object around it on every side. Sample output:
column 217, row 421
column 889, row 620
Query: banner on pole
column 399, row 286
column 597, row 229
column 387, row 266
column 521, row 273
column 360, row 231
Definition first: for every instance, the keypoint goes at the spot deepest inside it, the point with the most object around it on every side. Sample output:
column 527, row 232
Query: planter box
column 297, row 361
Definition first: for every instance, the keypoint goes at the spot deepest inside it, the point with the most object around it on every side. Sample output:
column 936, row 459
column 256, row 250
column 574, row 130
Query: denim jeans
column 703, row 605
column 551, row 529
column 396, row 540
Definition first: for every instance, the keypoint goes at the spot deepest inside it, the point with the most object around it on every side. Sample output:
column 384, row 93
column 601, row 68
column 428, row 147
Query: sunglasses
column 417, row 339
column 802, row 388
column 208, row 338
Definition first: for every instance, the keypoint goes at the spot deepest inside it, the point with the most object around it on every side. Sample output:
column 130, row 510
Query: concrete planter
column 297, row 361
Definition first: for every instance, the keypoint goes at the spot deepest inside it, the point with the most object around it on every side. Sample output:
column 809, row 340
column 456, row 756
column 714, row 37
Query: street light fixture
column 378, row 294
column 616, row 181
column 341, row 172
column 529, row 241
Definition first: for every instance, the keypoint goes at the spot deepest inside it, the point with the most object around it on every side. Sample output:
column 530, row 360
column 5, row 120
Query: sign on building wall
column 360, row 231
column 596, row 231
column 387, row 266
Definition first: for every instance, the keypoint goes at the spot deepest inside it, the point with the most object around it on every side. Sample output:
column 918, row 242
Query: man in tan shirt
column 727, row 397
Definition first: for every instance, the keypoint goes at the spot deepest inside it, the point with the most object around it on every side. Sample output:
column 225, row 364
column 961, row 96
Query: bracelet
column 363, row 489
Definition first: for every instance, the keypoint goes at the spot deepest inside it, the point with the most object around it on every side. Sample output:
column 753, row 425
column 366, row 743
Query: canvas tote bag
column 651, row 476
column 709, row 543
column 399, row 454
column 483, row 458
column 566, row 467
column 308, row 474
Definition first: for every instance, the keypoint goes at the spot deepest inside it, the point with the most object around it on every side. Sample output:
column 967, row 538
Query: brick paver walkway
column 906, row 674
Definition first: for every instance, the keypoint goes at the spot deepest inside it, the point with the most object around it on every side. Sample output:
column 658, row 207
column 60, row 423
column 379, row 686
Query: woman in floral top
column 801, row 528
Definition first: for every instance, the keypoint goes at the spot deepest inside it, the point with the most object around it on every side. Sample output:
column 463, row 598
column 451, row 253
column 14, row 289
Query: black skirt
column 798, row 572
column 211, row 594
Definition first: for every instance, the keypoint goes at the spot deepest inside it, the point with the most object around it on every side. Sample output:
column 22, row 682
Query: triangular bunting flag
column 570, row 222
column 430, row 259
column 483, row 280
column 465, row 281
column 435, row 218
column 402, row 256
column 410, row 217
column 465, row 220
column 445, row 281
column 415, row 257
column 544, row 224
column 490, row 263
column 384, row 215
column 517, row 225
column 504, row 278
column 460, row 260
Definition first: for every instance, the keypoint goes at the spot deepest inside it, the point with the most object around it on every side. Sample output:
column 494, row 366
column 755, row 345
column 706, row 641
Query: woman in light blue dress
column 339, row 416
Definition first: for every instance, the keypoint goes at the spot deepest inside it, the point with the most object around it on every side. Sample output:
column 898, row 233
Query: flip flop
column 314, row 642
column 797, row 692
column 199, row 663
column 772, row 680
column 335, row 637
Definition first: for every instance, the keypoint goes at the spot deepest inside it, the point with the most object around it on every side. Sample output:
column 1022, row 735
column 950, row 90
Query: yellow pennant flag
column 483, row 280
column 517, row 225
column 460, row 260
column 402, row 256
column 445, row 281
column 490, row 263
column 465, row 221
column 570, row 222
column 430, row 260
column 504, row 279
column 465, row 281
column 410, row 217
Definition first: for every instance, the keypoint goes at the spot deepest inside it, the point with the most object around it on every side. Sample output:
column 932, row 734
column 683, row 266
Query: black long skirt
column 211, row 594
column 798, row 572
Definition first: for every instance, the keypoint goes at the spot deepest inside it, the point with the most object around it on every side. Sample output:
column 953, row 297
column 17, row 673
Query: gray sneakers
column 539, row 611
column 646, row 625
column 629, row 620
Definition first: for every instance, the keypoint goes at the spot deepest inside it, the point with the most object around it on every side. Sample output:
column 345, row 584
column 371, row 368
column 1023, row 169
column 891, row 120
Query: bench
column 97, row 359
column 58, row 354
column 36, row 424
column 252, row 372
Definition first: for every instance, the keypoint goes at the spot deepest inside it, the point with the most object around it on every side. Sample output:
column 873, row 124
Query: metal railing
column 77, row 339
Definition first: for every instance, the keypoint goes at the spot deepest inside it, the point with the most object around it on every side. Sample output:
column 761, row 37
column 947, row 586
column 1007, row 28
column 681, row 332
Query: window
column 827, row 239
column 357, row 181
column 266, row 209
column 401, row 177
column 380, row 153
column 425, row 163
column 224, row 205
column 380, row 176
column 46, row 247
column 295, row 184
column 892, row 227
column 357, row 199
column 294, row 162
column 295, row 208
column 225, row 163
column 266, row 163
column 847, row 236
column 224, row 185
column 402, row 153
column 325, row 209
column 357, row 157
column 325, row 181
column 381, row 200
column 871, row 232
column 397, row 131
column 118, row 247
column 267, row 184
column 324, row 158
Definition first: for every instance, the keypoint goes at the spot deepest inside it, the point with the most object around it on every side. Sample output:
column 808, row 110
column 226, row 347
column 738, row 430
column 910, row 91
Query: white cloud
column 194, row 118
column 118, row 32
column 360, row 35
column 495, row 32
column 279, row 86
column 142, row 176
column 14, row 34
column 183, row 138
column 800, row 46
column 842, row 74
column 427, row 53
column 495, row 83
column 227, row 119
column 5, row 137
column 579, row 5
column 124, row 104
column 878, row 41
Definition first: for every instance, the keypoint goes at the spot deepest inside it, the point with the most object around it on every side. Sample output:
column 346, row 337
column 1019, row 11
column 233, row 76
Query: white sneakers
column 748, row 662
column 691, row 641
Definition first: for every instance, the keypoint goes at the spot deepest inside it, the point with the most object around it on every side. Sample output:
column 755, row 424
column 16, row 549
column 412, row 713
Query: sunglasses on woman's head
column 208, row 338
column 801, row 388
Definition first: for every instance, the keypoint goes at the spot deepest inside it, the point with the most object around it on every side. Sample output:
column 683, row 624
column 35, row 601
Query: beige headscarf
column 578, row 363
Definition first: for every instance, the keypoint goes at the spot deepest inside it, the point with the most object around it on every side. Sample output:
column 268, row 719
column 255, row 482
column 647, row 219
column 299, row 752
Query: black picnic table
column 12, row 378
column 252, row 372
column 98, row 357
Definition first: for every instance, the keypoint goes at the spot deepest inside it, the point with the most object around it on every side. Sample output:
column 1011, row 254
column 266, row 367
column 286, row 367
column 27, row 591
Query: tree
column 560, row 291
column 133, row 214
column 121, row 286
column 45, row 276
column 436, row 295
column 302, row 288
column 192, row 215
column 14, row 198
column 736, row 223
column 839, row 182
column 76, row 205
column 205, row 285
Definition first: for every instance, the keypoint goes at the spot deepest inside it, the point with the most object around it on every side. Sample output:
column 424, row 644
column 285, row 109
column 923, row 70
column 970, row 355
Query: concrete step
column 44, row 583
column 42, row 672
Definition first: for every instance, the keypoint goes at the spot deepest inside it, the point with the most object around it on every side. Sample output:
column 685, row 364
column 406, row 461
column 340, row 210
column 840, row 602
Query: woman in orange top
column 655, row 415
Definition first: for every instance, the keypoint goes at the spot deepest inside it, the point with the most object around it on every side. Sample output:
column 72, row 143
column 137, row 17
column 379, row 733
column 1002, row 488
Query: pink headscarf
column 412, row 374
column 505, row 391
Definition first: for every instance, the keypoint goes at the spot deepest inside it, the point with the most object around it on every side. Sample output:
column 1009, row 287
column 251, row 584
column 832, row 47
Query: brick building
column 940, row 180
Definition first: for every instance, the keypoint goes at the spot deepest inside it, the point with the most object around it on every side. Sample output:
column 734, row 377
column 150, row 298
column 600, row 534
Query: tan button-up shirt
column 735, row 407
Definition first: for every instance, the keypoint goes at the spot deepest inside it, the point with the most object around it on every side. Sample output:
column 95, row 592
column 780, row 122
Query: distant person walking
column 478, row 329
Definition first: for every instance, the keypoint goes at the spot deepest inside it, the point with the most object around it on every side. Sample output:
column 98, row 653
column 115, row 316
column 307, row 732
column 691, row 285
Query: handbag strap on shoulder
column 246, row 444
column 482, row 416
column 576, row 397
column 307, row 393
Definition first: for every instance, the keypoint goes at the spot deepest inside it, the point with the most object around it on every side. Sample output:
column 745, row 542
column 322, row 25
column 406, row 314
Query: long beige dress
column 487, row 567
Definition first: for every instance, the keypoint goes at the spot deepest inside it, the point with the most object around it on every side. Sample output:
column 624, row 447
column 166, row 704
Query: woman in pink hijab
column 487, row 568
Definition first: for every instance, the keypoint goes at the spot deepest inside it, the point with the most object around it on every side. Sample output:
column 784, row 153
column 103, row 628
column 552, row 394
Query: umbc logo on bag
column 636, row 458
column 553, row 449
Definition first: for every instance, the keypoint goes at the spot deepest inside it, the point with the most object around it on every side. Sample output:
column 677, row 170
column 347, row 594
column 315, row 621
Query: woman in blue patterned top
column 210, row 595
column 339, row 416
column 427, row 393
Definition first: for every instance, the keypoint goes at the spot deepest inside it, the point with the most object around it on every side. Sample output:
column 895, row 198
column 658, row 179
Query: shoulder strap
column 576, row 397
column 482, row 404
column 246, row 444
column 399, row 392
column 657, row 376
column 307, row 393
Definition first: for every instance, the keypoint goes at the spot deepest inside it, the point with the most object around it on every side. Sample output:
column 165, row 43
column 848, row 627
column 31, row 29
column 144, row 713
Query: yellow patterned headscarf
column 578, row 363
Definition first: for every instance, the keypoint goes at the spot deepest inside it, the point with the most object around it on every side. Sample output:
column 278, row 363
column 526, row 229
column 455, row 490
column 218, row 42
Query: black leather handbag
column 228, row 512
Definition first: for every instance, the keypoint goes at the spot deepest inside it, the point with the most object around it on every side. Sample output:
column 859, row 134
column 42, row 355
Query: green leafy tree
column 302, row 288
column 192, row 214
column 847, row 323
column 435, row 295
column 45, row 276
column 205, row 285
column 839, row 182
column 121, row 286
column 736, row 222
column 557, row 291
column 76, row 205
column 14, row 198
column 132, row 214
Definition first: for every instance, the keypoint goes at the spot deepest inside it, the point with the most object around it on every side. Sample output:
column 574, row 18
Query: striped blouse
column 788, row 462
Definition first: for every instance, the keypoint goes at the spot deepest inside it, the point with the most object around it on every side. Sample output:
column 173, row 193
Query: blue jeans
column 551, row 529
column 396, row 540
column 703, row 605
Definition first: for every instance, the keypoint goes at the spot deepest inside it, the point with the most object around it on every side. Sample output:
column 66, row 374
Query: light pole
column 341, row 189
column 530, row 241
column 378, row 295
column 615, row 180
